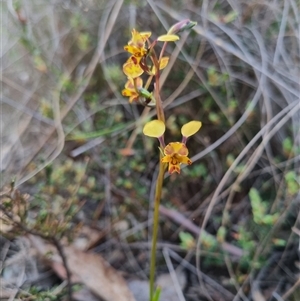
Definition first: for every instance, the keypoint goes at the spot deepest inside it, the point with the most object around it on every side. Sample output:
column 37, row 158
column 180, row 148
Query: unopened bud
column 181, row 26
column 145, row 93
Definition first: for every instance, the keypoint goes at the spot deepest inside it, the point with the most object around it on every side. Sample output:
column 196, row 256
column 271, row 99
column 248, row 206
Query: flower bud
column 145, row 93
column 181, row 26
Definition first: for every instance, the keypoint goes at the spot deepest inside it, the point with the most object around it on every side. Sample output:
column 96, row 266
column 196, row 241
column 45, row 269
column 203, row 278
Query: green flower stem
column 158, row 189
column 159, row 182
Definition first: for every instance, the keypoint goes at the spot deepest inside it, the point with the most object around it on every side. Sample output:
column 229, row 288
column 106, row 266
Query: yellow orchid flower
column 131, row 89
column 175, row 153
column 137, row 52
column 139, row 38
column 136, row 45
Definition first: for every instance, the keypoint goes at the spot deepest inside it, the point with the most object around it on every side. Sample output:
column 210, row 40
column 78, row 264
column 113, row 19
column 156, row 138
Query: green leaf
column 157, row 294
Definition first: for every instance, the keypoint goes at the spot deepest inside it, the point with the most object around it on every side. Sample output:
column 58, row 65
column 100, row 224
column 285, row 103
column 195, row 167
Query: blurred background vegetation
column 73, row 144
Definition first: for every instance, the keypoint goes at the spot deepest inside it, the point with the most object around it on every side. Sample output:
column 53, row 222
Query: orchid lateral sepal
column 132, row 87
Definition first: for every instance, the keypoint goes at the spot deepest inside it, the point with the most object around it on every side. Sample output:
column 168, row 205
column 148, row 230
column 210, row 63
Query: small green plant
column 292, row 182
column 187, row 240
column 35, row 294
column 49, row 213
column 260, row 208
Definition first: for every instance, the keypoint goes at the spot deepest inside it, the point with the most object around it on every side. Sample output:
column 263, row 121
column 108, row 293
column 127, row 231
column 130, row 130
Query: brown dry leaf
column 88, row 268
column 126, row 152
column 6, row 224
column 98, row 275
column 86, row 238
column 15, row 205
column 84, row 294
